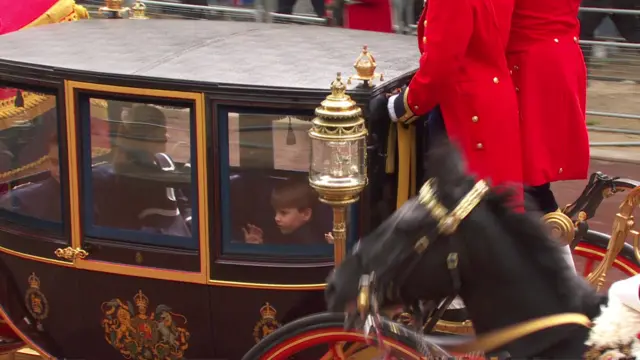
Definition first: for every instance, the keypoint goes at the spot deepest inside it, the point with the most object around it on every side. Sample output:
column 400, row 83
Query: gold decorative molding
column 62, row 11
column 34, row 104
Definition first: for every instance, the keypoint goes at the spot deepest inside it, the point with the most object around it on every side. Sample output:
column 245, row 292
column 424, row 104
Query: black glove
column 378, row 111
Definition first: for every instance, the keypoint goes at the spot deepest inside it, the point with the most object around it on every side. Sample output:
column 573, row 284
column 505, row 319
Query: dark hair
column 293, row 194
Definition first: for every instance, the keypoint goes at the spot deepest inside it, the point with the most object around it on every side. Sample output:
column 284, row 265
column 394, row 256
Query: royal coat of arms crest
column 140, row 335
column 36, row 302
column 267, row 324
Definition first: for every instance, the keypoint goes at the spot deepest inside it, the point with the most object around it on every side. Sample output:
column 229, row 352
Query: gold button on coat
column 479, row 146
column 474, row 119
column 496, row 80
column 425, row 23
column 424, row 39
column 556, row 40
column 560, row 171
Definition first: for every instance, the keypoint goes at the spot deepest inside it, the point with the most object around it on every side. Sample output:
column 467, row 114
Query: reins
column 500, row 337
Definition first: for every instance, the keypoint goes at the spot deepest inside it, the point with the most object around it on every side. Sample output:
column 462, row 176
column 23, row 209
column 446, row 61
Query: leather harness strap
column 498, row 338
column 403, row 137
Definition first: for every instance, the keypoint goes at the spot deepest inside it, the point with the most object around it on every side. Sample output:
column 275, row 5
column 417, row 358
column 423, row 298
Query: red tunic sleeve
column 446, row 38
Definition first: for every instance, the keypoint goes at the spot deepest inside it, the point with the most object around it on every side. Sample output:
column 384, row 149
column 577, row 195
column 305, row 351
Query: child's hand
column 329, row 237
column 252, row 234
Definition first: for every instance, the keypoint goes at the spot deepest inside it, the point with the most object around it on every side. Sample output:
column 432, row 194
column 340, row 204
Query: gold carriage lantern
column 113, row 9
column 338, row 169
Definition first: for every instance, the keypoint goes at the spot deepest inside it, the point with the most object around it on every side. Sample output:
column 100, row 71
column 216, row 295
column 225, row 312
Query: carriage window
column 29, row 158
column 137, row 172
column 268, row 206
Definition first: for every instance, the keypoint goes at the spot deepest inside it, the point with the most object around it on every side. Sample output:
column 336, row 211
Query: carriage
column 156, row 201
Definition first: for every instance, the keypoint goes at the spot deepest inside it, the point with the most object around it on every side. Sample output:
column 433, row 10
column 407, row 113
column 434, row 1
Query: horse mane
column 446, row 165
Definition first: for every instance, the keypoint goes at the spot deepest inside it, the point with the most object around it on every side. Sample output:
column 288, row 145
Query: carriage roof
column 207, row 52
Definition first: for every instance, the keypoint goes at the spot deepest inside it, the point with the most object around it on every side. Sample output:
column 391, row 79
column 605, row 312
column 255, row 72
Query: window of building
column 30, row 189
column 137, row 176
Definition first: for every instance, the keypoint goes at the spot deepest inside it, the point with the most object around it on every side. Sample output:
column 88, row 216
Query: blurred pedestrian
column 371, row 15
column 286, row 7
column 628, row 25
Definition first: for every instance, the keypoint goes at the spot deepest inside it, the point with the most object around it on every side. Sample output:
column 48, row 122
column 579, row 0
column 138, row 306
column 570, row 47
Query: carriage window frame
column 124, row 236
column 26, row 221
column 229, row 249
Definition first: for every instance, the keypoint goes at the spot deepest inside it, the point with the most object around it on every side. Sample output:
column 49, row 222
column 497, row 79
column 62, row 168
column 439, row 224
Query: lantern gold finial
column 338, row 104
column 138, row 11
column 338, row 88
column 365, row 66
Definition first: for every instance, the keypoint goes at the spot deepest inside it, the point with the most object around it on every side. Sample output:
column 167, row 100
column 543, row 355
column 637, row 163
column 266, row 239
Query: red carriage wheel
column 322, row 336
column 592, row 249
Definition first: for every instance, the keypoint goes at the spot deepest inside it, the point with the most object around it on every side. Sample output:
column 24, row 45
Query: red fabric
column 371, row 15
column 17, row 14
column 463, row 69
column 550, row 74
column 7, row 93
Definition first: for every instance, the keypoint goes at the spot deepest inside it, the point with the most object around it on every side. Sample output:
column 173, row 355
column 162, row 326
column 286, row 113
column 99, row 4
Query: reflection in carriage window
column 29, row 158
column 268, row 206
column 137, row 172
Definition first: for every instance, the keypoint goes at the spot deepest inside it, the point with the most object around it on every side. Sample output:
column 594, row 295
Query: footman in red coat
column 464, row 70
column 550, row 78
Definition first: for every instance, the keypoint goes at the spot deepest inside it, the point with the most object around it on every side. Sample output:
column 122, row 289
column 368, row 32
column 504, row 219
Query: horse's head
column 411, row 235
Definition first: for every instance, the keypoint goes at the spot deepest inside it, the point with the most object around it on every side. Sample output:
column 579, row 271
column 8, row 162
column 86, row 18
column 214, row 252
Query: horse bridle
column 447, row 224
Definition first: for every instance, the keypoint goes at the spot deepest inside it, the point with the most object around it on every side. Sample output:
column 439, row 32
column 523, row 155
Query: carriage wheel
column 322, row 336
column 591, row 250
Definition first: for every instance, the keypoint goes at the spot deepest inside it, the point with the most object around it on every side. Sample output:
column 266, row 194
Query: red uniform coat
column 550, row 76
column 463, row 68
column 372, row 15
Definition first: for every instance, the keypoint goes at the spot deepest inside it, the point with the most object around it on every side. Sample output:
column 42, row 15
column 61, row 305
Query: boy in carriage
column 293, row 203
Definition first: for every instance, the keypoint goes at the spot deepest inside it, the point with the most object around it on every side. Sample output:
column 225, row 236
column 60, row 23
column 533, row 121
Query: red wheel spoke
column 335, row 352
column 588, row 267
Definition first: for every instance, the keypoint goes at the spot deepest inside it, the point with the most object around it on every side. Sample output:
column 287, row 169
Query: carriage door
column 137, row 214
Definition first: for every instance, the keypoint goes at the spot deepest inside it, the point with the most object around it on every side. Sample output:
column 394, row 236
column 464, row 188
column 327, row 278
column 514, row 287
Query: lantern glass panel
column 340, row 163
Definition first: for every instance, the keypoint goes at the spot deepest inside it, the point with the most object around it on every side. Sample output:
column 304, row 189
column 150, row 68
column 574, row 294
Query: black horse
column 502, row 263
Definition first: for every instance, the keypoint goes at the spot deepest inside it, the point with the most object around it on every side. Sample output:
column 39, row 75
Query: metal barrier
column 259, row 12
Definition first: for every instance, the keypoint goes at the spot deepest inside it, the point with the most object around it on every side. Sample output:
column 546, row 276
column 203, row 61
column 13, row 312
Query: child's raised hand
column 252, row 234
column 329, row 237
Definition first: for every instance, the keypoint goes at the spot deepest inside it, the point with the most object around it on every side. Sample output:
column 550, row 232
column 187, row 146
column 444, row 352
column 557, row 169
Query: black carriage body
column 234, row 92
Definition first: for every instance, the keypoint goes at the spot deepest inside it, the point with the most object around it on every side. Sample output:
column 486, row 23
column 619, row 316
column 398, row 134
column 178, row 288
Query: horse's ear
column 445, row 161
